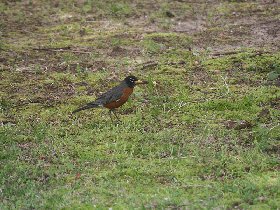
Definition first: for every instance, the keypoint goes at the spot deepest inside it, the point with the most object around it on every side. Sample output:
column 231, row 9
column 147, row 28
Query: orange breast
column 115, row 104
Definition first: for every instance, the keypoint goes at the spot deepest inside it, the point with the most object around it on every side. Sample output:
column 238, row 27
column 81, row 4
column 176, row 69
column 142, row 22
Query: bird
column 115, row 97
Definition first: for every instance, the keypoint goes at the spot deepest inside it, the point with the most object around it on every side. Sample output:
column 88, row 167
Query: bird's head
column 131, row 81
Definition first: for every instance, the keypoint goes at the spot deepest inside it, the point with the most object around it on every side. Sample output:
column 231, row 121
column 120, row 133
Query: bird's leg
column 114, row 112
column 110, row 113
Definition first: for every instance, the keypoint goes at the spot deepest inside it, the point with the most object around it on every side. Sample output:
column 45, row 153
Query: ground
column 203, row 134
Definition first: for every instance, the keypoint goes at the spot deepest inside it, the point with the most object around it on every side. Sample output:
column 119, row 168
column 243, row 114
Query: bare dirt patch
column 97, row 42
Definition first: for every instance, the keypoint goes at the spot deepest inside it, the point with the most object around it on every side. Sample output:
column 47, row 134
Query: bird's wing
column 111, row 95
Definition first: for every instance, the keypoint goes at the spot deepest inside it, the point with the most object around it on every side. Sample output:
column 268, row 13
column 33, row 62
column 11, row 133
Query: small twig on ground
column 147, row 64
column 53, row 48
column 177, row 63
column 226, row 53
column 155, row 63
column 259, row 52
column 196, row 185
column 4, row 122
column 62, row 49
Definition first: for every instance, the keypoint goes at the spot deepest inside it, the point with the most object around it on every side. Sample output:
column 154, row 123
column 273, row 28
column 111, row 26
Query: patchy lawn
column 204, row 133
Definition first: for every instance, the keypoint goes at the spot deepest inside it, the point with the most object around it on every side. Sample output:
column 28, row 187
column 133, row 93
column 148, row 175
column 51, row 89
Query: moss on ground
column 204, row 133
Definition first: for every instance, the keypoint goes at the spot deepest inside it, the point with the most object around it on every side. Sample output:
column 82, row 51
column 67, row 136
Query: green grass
column 180, row 144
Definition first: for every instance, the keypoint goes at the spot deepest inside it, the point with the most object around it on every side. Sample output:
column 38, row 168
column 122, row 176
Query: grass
column 203, row 134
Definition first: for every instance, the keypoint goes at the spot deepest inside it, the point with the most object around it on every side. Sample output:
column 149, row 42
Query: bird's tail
column 87, row 106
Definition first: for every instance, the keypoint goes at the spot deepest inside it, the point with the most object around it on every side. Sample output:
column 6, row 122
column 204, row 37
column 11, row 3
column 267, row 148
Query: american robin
column 114, row 97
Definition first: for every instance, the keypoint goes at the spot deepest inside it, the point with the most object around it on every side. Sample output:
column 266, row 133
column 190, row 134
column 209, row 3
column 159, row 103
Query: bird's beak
column 138, row 82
